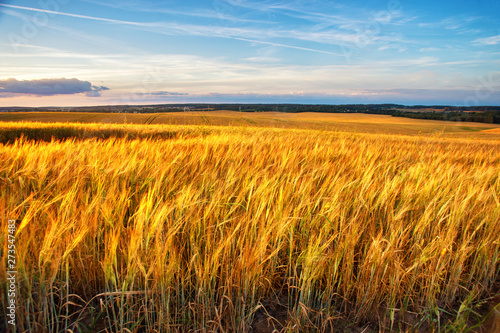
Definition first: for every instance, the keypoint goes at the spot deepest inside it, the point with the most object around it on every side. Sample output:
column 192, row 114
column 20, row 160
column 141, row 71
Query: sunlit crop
column 188, row 228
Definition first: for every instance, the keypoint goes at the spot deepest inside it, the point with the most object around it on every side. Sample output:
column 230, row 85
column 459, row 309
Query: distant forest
column 481, row 114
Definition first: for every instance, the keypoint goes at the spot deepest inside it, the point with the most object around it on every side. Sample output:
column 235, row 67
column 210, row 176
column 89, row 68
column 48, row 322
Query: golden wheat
column 202, row 231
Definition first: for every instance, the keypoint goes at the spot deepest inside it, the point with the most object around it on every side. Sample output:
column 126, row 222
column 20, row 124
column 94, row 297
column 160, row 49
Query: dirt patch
column 271, row 317
column 492, row 321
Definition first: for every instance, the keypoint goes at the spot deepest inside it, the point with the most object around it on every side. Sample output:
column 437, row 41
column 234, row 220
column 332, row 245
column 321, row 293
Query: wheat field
column 339, row 122
column 188, row 228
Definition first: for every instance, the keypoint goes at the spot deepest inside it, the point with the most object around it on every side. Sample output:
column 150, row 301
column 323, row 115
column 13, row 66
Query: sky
column 93, row 52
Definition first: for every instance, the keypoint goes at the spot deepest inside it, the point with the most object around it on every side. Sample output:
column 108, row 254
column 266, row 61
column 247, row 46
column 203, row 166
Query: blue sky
column 68, row 52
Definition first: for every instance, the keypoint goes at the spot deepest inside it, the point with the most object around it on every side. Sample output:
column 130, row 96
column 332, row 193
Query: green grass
column 472, row 129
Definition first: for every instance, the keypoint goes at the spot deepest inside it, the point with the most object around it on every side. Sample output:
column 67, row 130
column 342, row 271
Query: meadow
column 231, row 222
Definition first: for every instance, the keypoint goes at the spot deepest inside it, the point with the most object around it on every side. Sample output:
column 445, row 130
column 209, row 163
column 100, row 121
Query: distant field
column 420, row 110
column 348, row 122
column 269, row 223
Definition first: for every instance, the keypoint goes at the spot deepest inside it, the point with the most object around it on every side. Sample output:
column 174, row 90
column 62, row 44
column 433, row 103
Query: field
column 250, row 222
column 344, row 122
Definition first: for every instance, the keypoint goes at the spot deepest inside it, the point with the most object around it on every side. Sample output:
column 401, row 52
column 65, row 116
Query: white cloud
column 356, row 32
column 458, row 24
column 428, row 49
column 493, row 40
column 76, row 15
column 253, row 35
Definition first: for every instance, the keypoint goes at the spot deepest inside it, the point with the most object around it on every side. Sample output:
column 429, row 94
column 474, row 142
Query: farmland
column 344, row 122
column 249, row 222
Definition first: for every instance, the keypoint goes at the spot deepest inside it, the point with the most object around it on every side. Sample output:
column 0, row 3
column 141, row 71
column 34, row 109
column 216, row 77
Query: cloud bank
column 48, row 87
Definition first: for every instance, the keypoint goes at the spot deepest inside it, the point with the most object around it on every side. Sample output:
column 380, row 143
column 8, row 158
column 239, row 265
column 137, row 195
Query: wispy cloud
column 459, row 24
column 262, row 59
column 166, row 93
column 329, row 36
column 244, row 34
column 78, row 15
column 493, row 40
column 285, row 45
column 429, row 49
column 219, row 12
column 269, row 6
